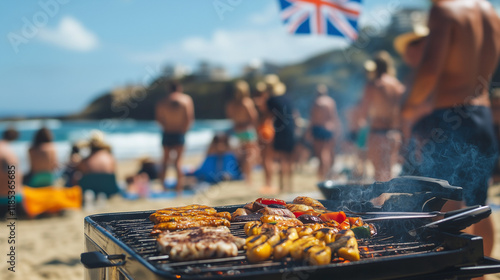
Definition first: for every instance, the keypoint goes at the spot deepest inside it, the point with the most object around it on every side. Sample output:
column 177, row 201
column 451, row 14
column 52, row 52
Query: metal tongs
column 452, row 221
column 384, row 216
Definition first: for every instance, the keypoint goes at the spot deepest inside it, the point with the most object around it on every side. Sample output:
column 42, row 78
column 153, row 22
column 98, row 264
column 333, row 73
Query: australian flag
column 328, row 17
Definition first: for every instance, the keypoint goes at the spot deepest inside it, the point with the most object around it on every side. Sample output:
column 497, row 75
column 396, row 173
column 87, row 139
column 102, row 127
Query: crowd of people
column 436, row 122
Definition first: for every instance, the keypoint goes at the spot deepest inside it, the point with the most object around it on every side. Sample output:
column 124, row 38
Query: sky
column 56, row 56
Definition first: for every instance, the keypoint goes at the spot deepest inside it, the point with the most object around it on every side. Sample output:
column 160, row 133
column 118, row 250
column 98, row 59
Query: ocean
column 129, row 139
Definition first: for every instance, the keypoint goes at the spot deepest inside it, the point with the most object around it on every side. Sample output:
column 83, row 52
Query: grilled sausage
column 191, row 224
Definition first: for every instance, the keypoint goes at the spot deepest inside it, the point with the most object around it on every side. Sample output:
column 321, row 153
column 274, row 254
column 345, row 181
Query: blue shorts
column 458, row 145
column 320, row 133
column 172, row 139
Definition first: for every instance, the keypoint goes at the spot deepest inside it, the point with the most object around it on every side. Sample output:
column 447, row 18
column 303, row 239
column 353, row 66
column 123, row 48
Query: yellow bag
column 50, row 199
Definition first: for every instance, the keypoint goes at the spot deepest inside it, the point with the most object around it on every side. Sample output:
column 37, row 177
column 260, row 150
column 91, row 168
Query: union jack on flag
column 328, row 17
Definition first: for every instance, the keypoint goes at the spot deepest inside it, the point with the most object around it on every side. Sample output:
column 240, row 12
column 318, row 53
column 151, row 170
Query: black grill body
column 127, row 251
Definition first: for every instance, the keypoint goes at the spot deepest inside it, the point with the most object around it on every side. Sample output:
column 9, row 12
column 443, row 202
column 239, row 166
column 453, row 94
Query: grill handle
column 97, row 259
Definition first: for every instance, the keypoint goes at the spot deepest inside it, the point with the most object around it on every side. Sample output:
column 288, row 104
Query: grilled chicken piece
column 308, row 229
column 256, row 228
column 190, row 224
column 318, row 255
column 276, row 211
column 207, row 211
column 199, row 243
column 290, row 233
column 326, row 234
column 345, row 247
column 299, row 246
column 187, row 207
column 252, row 228
column 260, row 252
column 282, row 249
column 299, row 207
column 174, row 217
column 308, row 201
column 276, row 218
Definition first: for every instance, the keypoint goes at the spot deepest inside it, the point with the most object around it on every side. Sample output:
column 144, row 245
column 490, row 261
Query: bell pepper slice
column 339, row 217
column 268, row 201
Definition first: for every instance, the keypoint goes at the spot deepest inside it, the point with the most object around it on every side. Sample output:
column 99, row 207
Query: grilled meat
column 240, row 212
column 254, row 206
column 277, row 212
column 309, row 219
column 299, row 207
column 257, row 227
column 259, row 252
column 199, row 243
column 276, row 218
column 345, row 247
column 318, row 255
column 190, row 224
column 298, row 247
column 308, row 201
column 175, row 217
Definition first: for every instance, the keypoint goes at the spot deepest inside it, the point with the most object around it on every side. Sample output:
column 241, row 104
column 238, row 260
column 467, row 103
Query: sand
column 50, row 248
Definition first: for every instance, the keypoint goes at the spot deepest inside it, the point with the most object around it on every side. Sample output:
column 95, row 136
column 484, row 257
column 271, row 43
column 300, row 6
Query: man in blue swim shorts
column 456, row 140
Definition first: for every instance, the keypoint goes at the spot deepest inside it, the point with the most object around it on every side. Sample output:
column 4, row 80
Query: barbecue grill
column 118, row 246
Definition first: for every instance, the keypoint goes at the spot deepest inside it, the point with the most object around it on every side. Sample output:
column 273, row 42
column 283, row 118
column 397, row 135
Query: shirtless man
column 43, row 158
column 175, row 114
column 324, row 125
column 241, row 110
column 381, row 105
column 100, row 159
column 10, row 190
column 462, row 53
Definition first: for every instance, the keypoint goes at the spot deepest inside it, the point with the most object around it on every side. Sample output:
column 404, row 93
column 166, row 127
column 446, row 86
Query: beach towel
column 50, row 199
column 217, row 168
column 41, row 179
column 99, row 183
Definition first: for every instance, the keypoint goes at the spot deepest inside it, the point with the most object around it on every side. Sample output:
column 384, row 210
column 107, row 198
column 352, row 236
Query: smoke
column 457, row 145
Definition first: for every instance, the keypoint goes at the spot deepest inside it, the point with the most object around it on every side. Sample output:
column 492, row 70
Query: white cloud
column 269, row 14
column 70, row 34
column 234, row 49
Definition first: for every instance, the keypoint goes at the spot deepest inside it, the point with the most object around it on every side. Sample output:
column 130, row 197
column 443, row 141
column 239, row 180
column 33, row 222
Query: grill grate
column 135, row 234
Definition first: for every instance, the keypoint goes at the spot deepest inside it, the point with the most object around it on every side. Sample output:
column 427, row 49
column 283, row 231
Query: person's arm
column 336, row 120
column 433, row 60
column 190, row 112
column 53, row 155
column 158, row 114
column 252, row 112
column 365, row 103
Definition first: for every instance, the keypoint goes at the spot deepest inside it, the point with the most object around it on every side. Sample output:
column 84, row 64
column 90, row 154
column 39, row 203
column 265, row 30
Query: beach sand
column 50, row 248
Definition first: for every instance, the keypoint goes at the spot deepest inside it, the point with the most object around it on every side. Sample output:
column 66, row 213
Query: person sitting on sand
column 140, row 182
column 10, row 176
column 324, row 127
column 241, row 110
column 43, row 160
column 97, row 171
column 100, row 159
column 175, row 114
column 220, row 163
column 71, row 167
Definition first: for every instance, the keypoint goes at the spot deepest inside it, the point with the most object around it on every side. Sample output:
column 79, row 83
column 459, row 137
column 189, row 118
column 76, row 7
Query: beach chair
column 99, row 183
